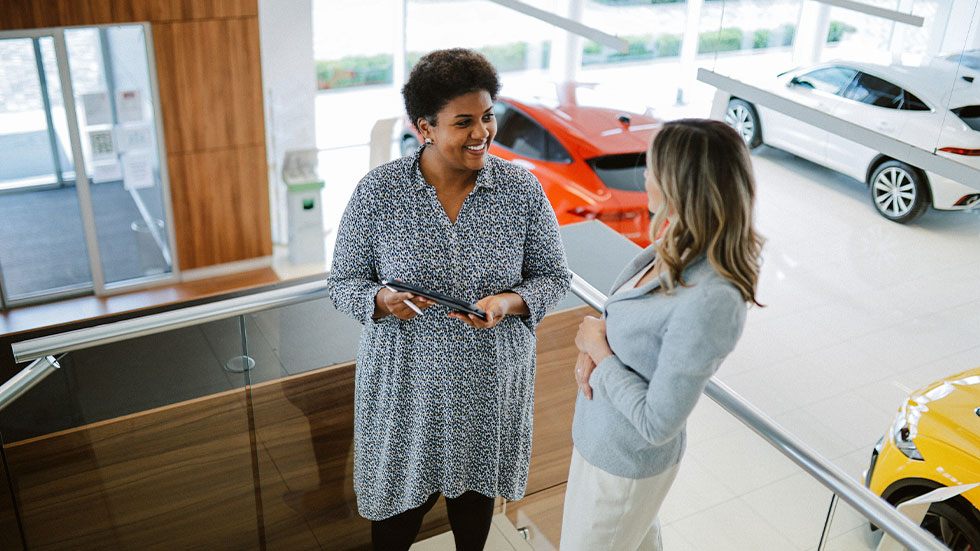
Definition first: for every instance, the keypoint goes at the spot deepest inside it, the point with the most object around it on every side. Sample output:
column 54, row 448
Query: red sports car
column 589, row 160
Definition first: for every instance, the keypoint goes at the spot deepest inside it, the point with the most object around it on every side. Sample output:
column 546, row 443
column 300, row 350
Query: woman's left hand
column 591, row 339
column 583, row 370
column 495, row 306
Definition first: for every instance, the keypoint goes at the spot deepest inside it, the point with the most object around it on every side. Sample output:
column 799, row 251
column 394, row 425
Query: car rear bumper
column 947, row 193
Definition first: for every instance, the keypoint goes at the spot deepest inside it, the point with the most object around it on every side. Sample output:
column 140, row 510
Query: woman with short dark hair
column 443, row 399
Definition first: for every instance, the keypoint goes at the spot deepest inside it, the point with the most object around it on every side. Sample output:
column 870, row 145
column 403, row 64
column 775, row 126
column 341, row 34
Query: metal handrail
column 864, row 500
column 26, row 379
column 166, row 321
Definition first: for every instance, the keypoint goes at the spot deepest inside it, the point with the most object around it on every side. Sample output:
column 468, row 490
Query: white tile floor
column 859, row 312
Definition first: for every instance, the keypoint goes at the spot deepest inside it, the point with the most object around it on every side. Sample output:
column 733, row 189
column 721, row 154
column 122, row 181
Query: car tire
column 950, row 525
column 409, row 144
column 742, row 116
column 899, row 191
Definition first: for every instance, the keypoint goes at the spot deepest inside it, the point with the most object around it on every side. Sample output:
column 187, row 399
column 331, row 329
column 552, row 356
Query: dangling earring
column 428, row 141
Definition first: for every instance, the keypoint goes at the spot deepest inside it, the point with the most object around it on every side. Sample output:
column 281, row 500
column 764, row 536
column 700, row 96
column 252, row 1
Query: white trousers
column 609, row 512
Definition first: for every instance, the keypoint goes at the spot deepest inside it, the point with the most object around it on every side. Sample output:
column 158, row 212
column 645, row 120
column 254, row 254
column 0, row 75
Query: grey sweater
column 665, row 348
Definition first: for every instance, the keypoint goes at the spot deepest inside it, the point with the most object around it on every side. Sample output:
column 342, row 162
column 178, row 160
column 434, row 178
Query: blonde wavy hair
column 703, row 169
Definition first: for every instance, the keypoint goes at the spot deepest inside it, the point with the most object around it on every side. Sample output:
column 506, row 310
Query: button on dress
column 438, row 405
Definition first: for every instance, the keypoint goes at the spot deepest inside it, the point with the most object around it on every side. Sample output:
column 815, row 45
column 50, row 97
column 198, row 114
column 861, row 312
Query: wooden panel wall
column 178, row 477
column 209, row 76
column 9, row 530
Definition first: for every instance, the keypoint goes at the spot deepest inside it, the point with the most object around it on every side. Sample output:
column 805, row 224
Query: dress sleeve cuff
column 603, row 370
column 530, row 320
column 372, row 292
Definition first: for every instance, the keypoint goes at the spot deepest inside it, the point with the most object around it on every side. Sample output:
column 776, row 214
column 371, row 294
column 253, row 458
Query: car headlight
column 903, row 437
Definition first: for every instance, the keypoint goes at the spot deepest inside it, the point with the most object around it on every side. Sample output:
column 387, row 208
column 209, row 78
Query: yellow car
column 935, row 442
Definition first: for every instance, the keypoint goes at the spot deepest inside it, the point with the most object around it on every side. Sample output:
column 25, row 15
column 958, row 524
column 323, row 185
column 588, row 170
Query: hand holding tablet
column 452, row 303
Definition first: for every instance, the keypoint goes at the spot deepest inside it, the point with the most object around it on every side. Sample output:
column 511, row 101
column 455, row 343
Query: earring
column 428, row 141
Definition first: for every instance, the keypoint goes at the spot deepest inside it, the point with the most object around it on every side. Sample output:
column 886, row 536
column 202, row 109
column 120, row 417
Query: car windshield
column 970, row 115
column 623, row 172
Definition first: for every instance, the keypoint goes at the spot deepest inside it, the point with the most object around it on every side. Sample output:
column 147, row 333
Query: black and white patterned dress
column 438, row 405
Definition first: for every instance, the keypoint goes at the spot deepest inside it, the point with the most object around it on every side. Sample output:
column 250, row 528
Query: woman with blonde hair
column 676, row 311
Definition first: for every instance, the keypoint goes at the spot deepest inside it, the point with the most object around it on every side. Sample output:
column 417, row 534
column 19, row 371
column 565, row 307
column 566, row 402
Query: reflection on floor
column 859, row 311
column 503, row 537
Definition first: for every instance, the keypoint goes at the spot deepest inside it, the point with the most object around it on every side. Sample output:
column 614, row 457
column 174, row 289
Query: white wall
column 289, row 89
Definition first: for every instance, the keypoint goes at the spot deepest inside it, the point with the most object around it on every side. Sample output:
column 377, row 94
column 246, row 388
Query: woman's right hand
column 391, row 302
column 583, row 370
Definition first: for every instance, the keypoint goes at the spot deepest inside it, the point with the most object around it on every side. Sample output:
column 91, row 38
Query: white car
column 902, row 102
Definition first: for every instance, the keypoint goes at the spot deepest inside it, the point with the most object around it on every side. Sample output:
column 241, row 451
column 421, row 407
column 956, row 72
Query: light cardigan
column 665, row 348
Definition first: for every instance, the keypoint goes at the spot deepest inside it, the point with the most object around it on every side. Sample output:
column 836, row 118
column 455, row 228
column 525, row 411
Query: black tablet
column 437, row 297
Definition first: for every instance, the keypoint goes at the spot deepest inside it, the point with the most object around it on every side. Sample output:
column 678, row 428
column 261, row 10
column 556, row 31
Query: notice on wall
column 130, row 137
column 101, row 143
column 129, row 105
column 137, row 168
column 106, row 172
column 96, row 107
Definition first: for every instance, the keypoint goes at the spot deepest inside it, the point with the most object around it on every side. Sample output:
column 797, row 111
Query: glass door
column 43, row 252
column 118, row 127
column 84, row 197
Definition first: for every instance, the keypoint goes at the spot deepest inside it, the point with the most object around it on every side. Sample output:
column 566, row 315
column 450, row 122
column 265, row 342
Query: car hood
column 946, row 410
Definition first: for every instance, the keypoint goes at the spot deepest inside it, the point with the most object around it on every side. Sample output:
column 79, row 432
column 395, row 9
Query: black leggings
column 469, row 517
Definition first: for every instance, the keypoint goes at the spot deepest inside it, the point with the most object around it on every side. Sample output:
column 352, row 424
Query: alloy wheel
column 739, row 118
column 894, row 191
column 947, row 532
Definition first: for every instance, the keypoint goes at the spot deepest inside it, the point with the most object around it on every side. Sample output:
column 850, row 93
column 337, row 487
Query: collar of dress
column 484, row 177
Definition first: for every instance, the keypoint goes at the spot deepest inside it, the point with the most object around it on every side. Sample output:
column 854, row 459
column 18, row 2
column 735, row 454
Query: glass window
column 874, row 91
column 517, row 132
column 912, row 103
column 970, row 114
column 111, row 81
column 623, row 172
column 829, row 79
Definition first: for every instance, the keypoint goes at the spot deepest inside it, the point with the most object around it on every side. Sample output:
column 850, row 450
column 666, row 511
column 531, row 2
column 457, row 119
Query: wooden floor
column 54, row 314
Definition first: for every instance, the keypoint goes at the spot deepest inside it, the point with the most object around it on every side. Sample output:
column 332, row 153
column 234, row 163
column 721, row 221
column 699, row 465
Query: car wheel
column 950, row 526
column 409, row 144
column 899, row 191
column 742, row 116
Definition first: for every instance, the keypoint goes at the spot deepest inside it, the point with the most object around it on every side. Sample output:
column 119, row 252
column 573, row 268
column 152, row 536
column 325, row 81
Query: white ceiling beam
column 569, row 25
column 893, row 15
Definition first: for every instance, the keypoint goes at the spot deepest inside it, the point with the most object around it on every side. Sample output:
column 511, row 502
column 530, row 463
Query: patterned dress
column 438, row 405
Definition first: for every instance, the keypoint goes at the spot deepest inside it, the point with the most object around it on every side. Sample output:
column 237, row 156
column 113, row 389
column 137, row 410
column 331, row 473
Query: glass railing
column 230, row 425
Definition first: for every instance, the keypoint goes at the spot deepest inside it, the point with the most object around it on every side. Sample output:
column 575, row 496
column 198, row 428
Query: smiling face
column 464, row 129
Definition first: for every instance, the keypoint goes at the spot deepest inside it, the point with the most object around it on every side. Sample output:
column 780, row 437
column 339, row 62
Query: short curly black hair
column 443, row 75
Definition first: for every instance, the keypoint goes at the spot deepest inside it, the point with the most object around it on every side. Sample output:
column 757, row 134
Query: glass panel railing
column 303, row 397
column 143, row 442
column 238, row 431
